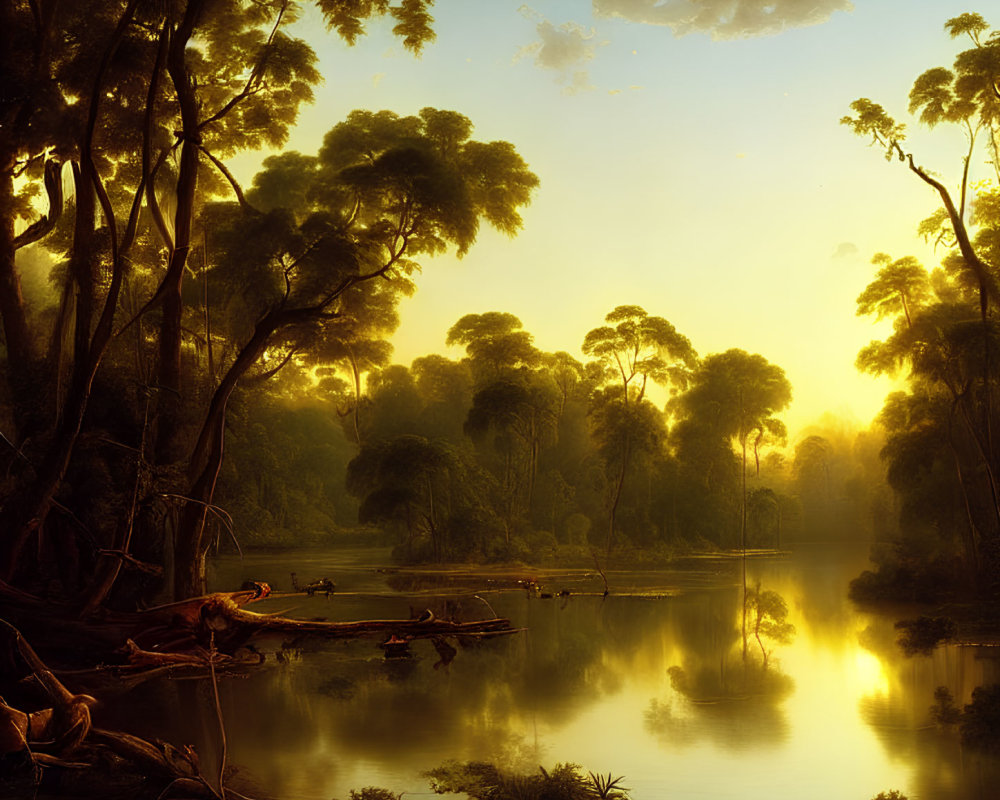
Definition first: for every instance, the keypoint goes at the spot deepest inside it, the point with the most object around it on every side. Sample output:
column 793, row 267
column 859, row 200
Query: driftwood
column 152, row 638
column 202, row 637
column 192, row 638
column 180, row 634
column 60, row 736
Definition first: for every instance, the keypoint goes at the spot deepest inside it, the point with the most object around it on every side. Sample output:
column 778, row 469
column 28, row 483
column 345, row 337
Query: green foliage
column 413, row 20
column 764, row 511
column 734, row 394
column 900, row 286
column 374, row 793
column 922, row 635
column 607, row 788
column 484, row 781
column 873, row 121
column 543, row 442
column 635, row 346
column 427, row 490
column 944, row 711
column 495, row 343
column 939, row 444
column 980, row 725
column 284, row 480
column 971, row 24
column 284, row 182
column 205, row 300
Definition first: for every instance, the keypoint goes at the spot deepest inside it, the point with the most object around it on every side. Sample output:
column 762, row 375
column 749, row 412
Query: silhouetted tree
column 950, row 344
column 147, row 101
column 495, row 343
column 633, row 348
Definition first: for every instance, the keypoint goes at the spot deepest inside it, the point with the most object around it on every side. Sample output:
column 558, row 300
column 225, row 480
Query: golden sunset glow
column 705, row 177
column 869, row 674
column 498, row 399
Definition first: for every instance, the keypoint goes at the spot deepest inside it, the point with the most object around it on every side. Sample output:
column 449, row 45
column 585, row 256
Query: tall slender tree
column 633, row 349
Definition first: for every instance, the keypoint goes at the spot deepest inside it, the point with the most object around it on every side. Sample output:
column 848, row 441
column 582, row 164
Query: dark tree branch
column 252, row 85
column 237, row 190
column 42, row 227
column 255, row 380
column 976, row 264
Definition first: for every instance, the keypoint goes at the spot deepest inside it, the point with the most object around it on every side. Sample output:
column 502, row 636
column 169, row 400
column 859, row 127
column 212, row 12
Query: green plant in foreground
column 607, row 788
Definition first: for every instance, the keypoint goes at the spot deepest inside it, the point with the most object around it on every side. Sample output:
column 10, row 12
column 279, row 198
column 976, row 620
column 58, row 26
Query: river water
column 648, row 683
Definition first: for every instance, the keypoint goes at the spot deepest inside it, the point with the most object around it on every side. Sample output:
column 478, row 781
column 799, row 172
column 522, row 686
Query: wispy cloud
column 562, row 48
column 723, row 19
column 845, row 250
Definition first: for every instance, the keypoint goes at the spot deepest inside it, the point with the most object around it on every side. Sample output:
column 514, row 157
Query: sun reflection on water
column 869, row 675
column 655, row 689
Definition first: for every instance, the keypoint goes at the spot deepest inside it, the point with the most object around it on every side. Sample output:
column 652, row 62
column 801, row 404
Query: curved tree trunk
column 29, row 516
column 206, row 459
column 191, row 543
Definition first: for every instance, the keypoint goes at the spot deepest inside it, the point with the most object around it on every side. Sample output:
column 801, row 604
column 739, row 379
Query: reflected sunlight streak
column 868, row 676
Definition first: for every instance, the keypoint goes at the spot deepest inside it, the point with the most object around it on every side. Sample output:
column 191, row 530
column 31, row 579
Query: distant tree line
column 514, row 453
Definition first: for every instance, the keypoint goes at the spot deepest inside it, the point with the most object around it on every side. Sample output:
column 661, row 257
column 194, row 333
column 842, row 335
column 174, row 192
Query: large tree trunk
column 30, row 514
column 15, row 109
column 169, row 376
column 82, row 269
column 20, row 520
column 20, row 353
column 206, row 460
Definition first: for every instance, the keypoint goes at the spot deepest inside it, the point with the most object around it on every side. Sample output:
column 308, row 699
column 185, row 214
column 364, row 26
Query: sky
column 691, row 162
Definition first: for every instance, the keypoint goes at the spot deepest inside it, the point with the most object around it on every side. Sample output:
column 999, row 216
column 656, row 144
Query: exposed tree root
column 59, row 737
column 203, row 637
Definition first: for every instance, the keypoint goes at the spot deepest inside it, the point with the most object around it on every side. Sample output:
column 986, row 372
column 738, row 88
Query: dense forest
column 190, row 364
column 515, row 454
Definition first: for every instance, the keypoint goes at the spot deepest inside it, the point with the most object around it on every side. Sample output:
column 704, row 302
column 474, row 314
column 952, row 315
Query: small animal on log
column 321, row 586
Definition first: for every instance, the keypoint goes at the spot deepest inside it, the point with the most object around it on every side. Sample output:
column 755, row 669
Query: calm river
column 648, row 685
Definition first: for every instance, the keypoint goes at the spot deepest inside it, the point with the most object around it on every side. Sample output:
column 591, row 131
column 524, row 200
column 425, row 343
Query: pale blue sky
column 706, row 179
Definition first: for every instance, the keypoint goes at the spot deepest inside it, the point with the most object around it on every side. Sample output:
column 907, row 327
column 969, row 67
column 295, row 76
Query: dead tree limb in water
column 604, row 577
column 176, row 639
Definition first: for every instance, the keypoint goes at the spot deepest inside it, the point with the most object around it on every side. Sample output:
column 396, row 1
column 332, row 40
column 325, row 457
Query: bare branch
column 237, row 190
column 220, row 513
column 257, row 379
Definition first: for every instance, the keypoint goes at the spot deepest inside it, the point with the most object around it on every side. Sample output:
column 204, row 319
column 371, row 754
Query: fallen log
column 192, row 626
column 200, row 637
column 221, row 622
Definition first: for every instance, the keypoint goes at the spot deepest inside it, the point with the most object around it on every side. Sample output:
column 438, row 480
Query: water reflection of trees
column 902, row 712
column 723, row 692
column 748, row 724
column 317, row 718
